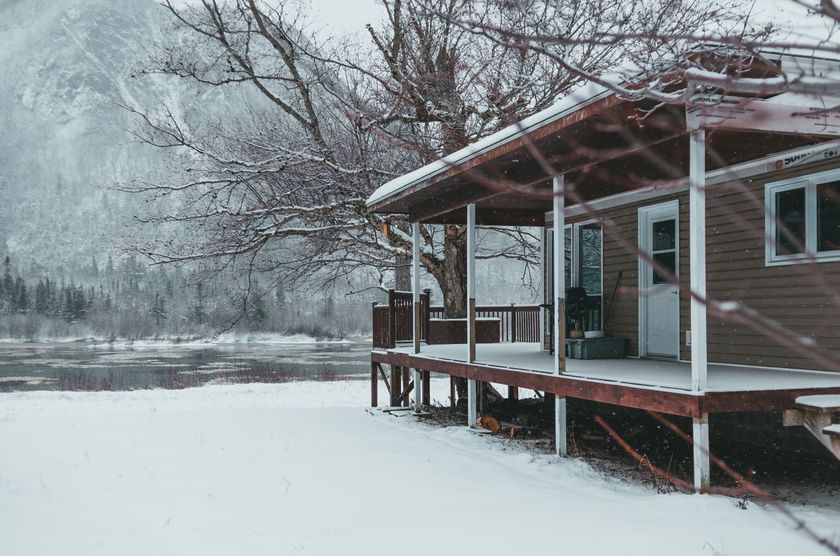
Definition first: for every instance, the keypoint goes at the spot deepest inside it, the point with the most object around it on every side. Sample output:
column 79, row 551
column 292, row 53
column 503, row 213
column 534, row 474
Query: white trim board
column 809, row 184
column 768, row 164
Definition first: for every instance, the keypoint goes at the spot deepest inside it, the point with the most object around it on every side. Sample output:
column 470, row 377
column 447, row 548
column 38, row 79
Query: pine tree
column 197, row 311
column 79, row 304
column 53, row 299
column 158, row 309
column 8, row 285
column 21, row 296
column 67, row 312
column 41, row 298
column 256, row 310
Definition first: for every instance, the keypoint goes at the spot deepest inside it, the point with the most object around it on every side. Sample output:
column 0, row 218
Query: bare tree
column 282, row 189
column 674, row 50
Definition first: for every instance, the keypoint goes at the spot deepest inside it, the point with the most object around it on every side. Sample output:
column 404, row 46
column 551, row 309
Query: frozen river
column 87, row 366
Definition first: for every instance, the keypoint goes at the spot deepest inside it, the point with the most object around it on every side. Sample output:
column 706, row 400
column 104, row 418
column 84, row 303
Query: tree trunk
column 454, row 283
column 402, row 274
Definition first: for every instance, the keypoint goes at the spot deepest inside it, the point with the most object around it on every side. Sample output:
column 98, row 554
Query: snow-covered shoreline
column 226, row 339
column 307, row 467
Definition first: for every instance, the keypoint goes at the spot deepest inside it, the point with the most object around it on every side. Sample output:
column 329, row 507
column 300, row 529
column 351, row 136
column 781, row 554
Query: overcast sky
column 350, row 16
column 346, row 16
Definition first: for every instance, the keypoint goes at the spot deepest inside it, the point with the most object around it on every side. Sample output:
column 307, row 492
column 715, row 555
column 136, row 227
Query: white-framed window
column 803, row 219
column 583, row 262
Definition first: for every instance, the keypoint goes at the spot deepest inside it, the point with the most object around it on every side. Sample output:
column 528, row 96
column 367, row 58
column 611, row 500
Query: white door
column 659, row 329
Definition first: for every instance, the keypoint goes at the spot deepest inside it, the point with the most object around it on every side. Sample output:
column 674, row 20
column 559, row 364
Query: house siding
column 793, row 295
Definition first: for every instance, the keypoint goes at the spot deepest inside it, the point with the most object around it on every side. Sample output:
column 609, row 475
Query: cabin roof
column 604, row 144
column 565, row 107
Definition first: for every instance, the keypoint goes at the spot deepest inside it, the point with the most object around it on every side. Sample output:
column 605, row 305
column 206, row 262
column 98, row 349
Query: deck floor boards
column 648, row 373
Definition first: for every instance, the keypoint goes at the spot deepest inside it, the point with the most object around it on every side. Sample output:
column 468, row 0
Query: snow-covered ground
column 306, row 467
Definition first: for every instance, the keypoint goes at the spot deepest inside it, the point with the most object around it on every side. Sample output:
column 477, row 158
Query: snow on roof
column 803, row 62
column 576, row 100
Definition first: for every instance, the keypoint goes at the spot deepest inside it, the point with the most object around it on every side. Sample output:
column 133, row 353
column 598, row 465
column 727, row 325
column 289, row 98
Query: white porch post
column 415, row 290
column 697, row 257
column 697, row 264
column 702, row 468
column 559, row 246
column 543, row 288
column 472, row 414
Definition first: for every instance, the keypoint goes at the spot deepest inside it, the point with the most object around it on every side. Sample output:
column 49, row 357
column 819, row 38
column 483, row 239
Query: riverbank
column 227, row 338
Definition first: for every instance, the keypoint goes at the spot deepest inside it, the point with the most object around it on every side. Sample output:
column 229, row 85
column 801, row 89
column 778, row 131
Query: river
column 92, row 366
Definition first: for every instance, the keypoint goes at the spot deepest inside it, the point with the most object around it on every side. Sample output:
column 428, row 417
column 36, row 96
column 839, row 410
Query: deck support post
column 472, row 415
column 700, row 440
column 395, row 385
column 415, row 291
column 697, row 258
column 418, row 391
column 560, row 442
column 374, row 385
column 559, row 269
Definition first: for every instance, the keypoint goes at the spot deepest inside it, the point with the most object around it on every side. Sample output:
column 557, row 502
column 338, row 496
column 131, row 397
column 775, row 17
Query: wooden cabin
column 703, row 238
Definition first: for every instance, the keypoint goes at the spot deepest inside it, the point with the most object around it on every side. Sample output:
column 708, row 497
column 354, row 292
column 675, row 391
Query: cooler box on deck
column 596, row 348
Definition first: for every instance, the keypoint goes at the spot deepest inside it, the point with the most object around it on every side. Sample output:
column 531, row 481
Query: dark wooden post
column 427, row 313
column 561, row 333
column 427, row 382
column 392, row 320
column 452, row 390
column 405, row 382
column 513, row 323
column 374, row 386
column 395, row 385
column 513, row 392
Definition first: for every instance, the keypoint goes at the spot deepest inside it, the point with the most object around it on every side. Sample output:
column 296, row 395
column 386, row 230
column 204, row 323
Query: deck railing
column 392, row 322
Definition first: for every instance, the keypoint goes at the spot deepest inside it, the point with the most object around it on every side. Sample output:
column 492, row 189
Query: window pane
column 828, row 216
column 790, row 214
column 664, row 235
column 568, row 256
column 668, row 262
column 589, row 259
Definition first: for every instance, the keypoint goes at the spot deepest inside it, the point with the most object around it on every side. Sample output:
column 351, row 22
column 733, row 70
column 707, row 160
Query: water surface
column 86, row 366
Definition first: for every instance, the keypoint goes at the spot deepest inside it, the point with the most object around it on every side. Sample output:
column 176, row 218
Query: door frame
column 645, row 215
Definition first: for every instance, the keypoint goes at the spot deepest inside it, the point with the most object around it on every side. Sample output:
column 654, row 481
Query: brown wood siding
column 792, row 295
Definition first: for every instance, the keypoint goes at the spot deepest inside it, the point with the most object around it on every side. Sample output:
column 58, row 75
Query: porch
column 570, row 166
column 657, row 385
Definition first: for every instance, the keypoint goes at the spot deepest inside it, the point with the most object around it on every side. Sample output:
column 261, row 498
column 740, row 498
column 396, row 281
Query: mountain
column 65, row 68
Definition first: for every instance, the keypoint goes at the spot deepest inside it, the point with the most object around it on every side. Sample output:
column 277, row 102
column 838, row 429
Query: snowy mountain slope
column 64, row 69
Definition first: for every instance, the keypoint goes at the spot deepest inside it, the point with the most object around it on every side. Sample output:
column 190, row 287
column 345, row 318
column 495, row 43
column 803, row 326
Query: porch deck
column 632, row 371
column 640, row 383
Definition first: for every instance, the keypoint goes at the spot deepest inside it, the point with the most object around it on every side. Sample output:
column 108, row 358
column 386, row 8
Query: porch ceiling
column 607, row 150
